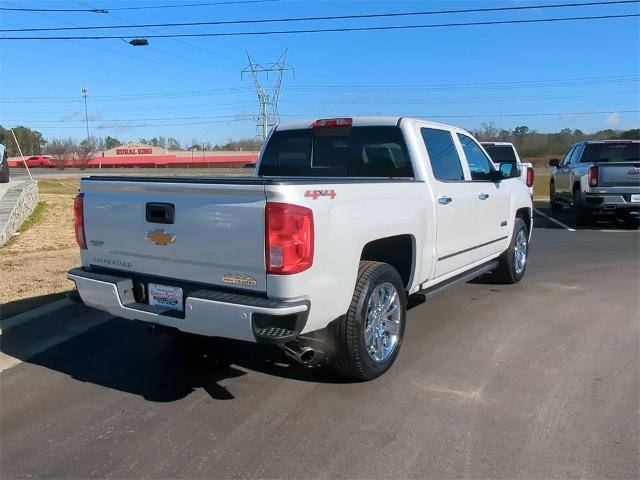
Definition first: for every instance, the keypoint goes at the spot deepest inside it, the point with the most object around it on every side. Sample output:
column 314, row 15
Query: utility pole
column 268, row 93
column 85, row 94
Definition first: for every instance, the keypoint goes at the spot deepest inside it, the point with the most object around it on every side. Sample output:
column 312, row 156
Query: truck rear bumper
column 611, row 202
column 212, row 313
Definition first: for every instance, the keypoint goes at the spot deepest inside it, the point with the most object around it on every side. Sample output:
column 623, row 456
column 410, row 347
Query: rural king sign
column 134, row 151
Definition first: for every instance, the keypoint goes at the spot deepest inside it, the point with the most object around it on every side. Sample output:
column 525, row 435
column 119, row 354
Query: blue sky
column 537, row 75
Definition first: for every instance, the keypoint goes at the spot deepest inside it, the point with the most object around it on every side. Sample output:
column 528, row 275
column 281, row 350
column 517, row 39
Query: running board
column 461, row 278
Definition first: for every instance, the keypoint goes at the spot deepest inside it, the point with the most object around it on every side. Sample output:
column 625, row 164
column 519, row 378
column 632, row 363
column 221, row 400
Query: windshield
column 501, row 153
column 611, row 152
column 337, row 152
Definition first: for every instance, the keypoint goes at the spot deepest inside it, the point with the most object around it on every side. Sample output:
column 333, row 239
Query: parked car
column 598, row 178
column 505, row 152
column 42, row 161
column 4, row 165
column 318, row 252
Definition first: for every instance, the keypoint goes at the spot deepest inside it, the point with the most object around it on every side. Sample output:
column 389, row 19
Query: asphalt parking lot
column 534, row 380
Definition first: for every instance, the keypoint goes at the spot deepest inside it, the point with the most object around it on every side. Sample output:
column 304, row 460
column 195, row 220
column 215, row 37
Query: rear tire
column 513, row 261
column 368, row 338
column 584, row 216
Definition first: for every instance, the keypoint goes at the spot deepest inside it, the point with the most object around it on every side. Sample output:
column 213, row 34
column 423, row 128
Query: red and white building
column 141, row 155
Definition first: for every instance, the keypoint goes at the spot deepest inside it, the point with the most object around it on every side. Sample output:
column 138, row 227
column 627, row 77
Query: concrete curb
column 25, row 317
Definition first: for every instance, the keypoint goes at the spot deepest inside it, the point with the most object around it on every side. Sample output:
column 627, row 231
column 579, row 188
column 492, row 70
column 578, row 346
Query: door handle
column 444, row 200
column 483, row 196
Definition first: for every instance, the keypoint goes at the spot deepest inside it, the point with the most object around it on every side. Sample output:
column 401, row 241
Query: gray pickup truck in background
column 4, row 165
column 598, row 178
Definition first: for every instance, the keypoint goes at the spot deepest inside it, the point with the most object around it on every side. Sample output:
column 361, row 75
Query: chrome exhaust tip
column 300, row 353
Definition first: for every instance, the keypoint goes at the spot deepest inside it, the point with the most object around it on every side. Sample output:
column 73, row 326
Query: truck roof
column 361, row 121
column 596, row 142
column 498, row 144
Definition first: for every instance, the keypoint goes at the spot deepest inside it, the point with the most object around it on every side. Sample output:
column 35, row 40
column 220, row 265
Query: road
column 534, row 380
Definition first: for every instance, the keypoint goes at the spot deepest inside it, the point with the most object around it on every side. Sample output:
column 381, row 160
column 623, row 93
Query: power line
column 555, row 82
column 343, row 29
column 323, row 18
column 114, row 52
column 148, row 7
column 175, row 40
column 235, row 119
column 46, row 115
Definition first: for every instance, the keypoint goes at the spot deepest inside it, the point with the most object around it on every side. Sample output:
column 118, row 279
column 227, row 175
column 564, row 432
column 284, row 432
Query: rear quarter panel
column 359, row 214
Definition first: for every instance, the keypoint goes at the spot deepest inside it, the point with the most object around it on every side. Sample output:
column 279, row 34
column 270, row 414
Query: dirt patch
column 35, row 262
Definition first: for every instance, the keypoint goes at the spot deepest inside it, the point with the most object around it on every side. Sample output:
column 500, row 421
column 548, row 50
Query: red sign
column 134, row 151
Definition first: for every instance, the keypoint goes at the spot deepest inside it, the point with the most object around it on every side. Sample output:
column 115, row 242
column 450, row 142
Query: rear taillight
column 530, row 177
column 593, row 176
column 288, row 238
column 78, row 212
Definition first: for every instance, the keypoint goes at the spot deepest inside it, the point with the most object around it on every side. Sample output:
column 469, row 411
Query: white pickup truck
column 319, row 250
column 505, row 152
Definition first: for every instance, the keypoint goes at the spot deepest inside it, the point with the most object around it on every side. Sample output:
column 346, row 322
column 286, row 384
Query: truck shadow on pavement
column 546, row 218
column 119, row 354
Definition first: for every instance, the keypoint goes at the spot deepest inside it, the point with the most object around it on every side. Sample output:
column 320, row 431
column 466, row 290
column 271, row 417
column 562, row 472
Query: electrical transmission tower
column 268, row 91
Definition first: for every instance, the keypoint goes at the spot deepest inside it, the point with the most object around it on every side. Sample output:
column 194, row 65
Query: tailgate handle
column 161, row 212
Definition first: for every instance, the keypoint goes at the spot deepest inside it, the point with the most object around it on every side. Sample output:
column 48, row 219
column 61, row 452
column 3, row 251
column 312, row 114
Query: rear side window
column 337, row 152
column 501, row 153
column 443, row 155
column 479, row 164
column 611, row 152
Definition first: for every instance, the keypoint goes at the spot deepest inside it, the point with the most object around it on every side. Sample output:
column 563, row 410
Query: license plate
column 635, row 198
column 165, row 296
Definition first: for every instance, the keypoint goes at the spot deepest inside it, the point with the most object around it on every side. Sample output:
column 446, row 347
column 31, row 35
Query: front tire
column 513, row 261
column 368, row 338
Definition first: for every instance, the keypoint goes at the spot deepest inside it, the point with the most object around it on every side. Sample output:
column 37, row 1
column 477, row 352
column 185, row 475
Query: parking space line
column 557, row 222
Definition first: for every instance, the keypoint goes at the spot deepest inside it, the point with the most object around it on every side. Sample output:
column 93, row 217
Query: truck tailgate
column 619, row 174
column 210, row 233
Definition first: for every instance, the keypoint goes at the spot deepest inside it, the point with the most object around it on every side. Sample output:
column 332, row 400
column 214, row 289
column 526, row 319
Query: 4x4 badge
column 160, row 237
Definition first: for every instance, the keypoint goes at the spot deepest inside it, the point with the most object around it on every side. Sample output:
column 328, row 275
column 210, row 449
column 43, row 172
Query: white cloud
column 613, row 120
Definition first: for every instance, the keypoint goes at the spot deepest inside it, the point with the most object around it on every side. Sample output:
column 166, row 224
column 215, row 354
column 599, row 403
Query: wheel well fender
column 576, row 186
column 525, row 215
column 398, row 251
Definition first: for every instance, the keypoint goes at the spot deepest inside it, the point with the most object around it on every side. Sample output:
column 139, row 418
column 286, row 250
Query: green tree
column 520, row 132
column 633, row 134
column 111, row 142
column 31, row 141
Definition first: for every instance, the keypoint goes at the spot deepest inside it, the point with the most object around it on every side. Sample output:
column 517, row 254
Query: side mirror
column 509, row 170
column 554, row 162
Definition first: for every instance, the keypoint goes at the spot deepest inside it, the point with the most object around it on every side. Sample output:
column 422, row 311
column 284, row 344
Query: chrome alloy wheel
column 520, row 252
column 382, row 323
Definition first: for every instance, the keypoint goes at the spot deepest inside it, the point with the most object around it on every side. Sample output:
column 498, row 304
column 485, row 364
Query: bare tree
column 60, row 150
column 488, row 131
column 173, row 144
column 86, row 151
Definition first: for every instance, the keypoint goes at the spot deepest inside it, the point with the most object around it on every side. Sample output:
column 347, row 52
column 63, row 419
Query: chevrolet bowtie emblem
column 160, row 237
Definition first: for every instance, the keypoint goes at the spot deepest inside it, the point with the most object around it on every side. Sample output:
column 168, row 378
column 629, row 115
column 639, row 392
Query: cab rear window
column 501, row 153
column 611, row 152
column 337, row 152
